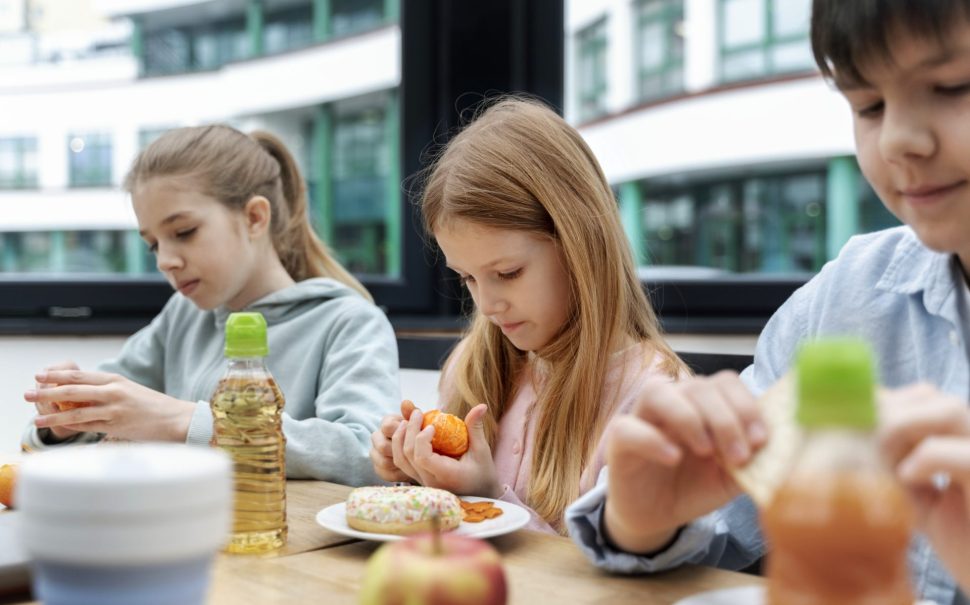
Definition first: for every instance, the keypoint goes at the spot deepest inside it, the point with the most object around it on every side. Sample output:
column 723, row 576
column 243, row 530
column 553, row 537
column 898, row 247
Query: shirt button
column 954, row 337
column 516, row 448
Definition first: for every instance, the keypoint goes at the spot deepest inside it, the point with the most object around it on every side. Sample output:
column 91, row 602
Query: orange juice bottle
column 839, row 527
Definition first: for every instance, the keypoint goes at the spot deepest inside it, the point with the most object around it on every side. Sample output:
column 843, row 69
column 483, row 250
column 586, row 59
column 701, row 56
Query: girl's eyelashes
column 185, row 233
column 955, row 90
column 510, row 274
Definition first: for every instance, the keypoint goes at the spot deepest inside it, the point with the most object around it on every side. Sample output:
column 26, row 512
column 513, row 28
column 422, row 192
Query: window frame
column 592, row 43
column 102, row 176
column 21, row 179
column 435, row 41
column 670, row 13
column 767, row 43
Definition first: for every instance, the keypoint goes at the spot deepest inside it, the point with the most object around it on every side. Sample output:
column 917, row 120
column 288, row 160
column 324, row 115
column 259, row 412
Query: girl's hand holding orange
column 116, row 406
column 381, row 454
column 473, row 474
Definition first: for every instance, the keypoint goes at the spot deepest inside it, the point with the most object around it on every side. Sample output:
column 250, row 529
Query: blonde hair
column 232, row 167
column 521, row 167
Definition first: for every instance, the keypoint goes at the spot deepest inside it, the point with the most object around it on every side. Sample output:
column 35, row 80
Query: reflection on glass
column 89, row 159
column 591, row 50
column 765, row 224
column 744, row 22
column 94, row 252
column 18, row 163
column 790, row 17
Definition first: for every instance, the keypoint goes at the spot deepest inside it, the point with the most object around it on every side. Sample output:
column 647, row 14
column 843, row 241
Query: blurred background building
column 85, row 84
column 726, row 148
column 727, row 151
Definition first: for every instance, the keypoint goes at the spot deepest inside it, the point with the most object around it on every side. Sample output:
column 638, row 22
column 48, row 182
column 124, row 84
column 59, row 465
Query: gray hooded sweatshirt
column 333, row 354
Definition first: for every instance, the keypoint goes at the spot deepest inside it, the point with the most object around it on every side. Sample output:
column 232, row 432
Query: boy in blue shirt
column 664, row 500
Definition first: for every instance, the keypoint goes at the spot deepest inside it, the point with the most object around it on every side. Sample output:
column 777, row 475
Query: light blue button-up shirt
column 884, row 287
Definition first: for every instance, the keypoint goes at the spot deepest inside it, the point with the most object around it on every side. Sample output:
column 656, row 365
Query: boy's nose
column 906, row 135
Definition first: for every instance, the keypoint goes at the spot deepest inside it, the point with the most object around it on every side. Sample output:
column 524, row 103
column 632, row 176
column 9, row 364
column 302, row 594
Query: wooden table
column 322, row 567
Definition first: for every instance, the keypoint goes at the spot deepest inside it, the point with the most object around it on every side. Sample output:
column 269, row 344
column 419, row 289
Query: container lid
column 124, row 503
column 246, row 335
column 836, row 379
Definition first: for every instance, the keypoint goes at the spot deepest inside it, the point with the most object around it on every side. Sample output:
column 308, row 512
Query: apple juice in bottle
column 247, row 411
column 838, row 528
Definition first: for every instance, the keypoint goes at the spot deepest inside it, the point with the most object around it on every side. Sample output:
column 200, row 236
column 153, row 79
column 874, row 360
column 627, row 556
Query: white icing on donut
column 408, row 504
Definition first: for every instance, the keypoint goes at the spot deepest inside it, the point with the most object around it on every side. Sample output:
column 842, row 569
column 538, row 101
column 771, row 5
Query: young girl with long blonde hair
column 225, row 214
column 562, row 338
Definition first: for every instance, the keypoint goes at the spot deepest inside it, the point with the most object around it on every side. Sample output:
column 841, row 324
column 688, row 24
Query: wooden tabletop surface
column 320, row 566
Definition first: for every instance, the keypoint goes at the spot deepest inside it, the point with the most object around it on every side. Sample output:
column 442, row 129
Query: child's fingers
column 737, row 395
column 668, row 408
column 73, row 376
column 907, row 421
column 936, row 456
column 381, row 444
column 85, row 393
column 475, row 421
column 631, row 438
column 411, row 430
column 397, row 450
column 86, row 415
column 389, row 424
column 407, row 406
column 723, row 424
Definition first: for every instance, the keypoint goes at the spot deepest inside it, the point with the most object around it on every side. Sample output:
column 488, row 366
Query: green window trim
column 769, row 42
column 591, row 48
column 670, row 70
column 23, row 174
column 90, row 165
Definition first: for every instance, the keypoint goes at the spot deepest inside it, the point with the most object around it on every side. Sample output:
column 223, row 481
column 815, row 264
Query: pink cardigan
column 636, row 366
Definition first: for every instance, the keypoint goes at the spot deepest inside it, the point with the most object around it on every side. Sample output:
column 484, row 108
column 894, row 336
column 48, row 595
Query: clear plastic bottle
column 247, row 423
column 839, row 526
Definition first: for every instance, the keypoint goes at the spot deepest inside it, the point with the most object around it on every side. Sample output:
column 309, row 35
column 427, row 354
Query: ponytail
column 232, row 168
column 302, row 253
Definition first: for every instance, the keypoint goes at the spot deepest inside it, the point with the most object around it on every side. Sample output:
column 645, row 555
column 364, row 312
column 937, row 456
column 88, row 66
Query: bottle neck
column 244, row 363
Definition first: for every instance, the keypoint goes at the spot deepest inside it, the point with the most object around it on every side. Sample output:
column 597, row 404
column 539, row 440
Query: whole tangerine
column 450, row 433
column 8, row 479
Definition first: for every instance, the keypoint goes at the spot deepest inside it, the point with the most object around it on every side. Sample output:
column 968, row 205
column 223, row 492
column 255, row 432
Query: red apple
column 459, row 571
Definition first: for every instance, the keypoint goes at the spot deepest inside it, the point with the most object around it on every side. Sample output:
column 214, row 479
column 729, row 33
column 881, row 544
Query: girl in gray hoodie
column 225, row 214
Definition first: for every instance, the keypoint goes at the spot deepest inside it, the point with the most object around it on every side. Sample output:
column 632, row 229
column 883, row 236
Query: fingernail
column 703, row 445
column 30, row 395
column 757, row 432
column 41, row 421
column 40, row 376
column 739, row 452
column 670, row 453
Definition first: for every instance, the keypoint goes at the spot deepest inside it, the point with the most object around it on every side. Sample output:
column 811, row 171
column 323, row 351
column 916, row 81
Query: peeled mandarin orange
column 63, row 406
column 8, row 478
column 450, row 433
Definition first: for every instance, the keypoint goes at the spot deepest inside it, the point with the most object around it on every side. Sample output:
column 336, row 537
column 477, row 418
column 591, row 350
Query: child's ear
column 257, row 213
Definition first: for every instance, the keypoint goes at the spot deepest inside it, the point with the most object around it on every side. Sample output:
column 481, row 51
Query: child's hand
column 118, row 407
column 44, row 408
column 665, row 458
column 381, row 454
column 471, row 475
column 925, row 435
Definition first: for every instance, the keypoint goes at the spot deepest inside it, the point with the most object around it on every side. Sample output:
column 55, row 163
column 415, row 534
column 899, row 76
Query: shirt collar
column 915, row 269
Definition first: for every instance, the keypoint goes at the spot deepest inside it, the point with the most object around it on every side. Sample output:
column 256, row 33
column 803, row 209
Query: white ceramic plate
column 513, row 517
column 745, row 595
column 14, row 574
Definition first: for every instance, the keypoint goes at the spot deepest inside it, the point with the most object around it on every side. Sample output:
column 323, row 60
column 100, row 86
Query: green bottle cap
column 836, row 380
column 246, row 335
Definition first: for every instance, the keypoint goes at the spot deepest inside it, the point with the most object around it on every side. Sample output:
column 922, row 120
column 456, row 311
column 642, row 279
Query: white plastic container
column 133, row 524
